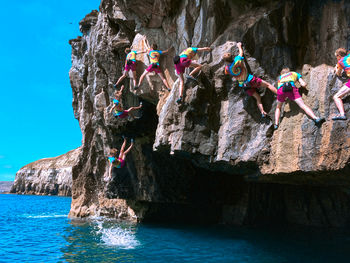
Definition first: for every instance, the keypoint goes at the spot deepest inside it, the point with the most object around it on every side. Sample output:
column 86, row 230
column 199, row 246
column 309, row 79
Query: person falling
column 118, row 162
column 184, row 61
column 117, row 107
column 154, row 55
column 237, row 68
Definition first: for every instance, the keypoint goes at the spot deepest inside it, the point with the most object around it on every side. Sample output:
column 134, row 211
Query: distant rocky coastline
column 5, row 187
column 49, row 176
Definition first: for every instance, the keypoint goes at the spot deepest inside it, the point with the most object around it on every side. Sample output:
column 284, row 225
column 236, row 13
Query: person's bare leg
column 259, row 103
column 134, row 78
column 278, row 113
column 134, row 108
column 123, row 147
column 128, row 150
column 142, row 77
column 197, row 67
column 305, row 108
column 121, row 77
column 161, row 75
column 269, row 86
column 338, row 99
column 181, row 77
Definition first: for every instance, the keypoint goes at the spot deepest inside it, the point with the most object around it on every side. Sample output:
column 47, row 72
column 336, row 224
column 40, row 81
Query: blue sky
column 36, row 112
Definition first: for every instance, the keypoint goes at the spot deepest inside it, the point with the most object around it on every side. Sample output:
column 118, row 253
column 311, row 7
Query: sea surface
column 37, row 229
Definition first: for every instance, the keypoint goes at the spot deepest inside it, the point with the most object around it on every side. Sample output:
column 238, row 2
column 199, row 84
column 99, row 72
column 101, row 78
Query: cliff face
column 212, row 158
column 50, row 176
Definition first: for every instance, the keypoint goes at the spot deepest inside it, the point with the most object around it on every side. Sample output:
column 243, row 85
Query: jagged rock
column 49, row 176
column 212, row 159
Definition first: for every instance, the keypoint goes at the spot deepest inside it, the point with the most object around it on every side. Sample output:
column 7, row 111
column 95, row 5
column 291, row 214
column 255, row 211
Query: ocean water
column 36, row 229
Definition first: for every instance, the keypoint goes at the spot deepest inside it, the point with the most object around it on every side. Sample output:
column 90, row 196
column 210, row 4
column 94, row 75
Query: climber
column 287, row 89
column 248, row 82
column 154, row 55
column 130, row 64
column 118, row 162
column 184, row 61
column 118, row 108
column 343, row 64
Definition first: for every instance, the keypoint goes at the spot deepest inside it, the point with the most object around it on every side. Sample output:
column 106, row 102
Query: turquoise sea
column 36, row 229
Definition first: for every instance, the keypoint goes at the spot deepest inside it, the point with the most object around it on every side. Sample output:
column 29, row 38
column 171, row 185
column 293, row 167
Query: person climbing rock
column 236, row 67
column 117, row 107
column 342, row 65
column 118, row 162
column 184, row 61
column 130, row 64
column 154, row 55
column 287, row 89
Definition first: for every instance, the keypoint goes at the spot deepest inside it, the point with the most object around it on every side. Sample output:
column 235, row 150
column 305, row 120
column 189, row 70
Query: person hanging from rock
column 154, row 55
column 184, row 61
column 287, row 89
column 117, row 107
column 130, row 64
column 118, row 162
column 342, row 65
column 236, row 67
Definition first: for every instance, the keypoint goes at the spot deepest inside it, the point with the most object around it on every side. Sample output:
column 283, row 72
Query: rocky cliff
column 212, row 159
column 49, row 176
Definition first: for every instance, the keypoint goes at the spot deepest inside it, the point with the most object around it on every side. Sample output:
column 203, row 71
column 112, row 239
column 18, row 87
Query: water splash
column 117, row 236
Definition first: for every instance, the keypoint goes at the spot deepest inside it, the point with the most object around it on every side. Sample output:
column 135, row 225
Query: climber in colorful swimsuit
column 184, row 61
column 343, row 64
column 118, row 162
column 130, row 64
column 117, row 107
column 154, row 55
column 287, row 89
column 249, row 82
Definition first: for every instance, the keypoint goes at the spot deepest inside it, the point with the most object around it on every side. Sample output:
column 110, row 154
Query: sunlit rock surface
column 212, row 159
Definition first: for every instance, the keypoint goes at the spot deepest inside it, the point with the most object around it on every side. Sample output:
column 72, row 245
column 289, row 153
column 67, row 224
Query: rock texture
column 49, row 176
column 212, row 159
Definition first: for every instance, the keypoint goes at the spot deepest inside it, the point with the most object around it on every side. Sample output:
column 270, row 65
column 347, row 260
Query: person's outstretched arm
column 166, row 51
column 204, row 49
column 239, row 45
column 110, row 170
column 121, row 89
column 146, row 43
column 302, row 82
column 141, row 52
column 113, row 107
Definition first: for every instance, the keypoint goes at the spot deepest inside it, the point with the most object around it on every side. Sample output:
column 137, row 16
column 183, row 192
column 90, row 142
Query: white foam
column 118, row 237
column 44, row 216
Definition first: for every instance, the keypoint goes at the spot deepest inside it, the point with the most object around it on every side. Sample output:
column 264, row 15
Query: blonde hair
column 227, row 57
column 340, row 52
column 113, row 151
column 285, row 70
